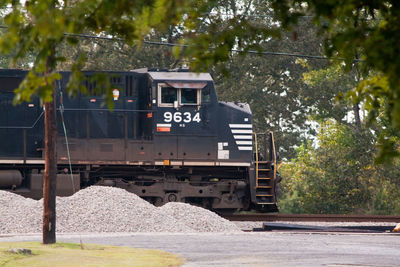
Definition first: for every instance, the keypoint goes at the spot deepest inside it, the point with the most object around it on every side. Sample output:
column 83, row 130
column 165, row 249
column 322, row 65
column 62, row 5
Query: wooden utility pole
column 50, row 162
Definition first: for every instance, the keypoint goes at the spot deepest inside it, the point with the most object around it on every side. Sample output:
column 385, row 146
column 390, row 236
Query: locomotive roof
column 163, row 75
column 180, row 76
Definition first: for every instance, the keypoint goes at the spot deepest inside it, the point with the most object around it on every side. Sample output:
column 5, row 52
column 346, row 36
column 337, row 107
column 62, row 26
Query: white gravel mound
column 107, row 209
column 199, row 219
column 19, row 214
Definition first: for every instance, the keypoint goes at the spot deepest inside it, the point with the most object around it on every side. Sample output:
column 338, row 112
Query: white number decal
column 167, row 116
column 177, row 117
column 196, row 117
column 188, row 117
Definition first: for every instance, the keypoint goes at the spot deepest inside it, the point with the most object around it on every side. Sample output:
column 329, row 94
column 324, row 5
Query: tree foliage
column 339, row 175
column 360, row 29
column 39, row 26
column 329, row 85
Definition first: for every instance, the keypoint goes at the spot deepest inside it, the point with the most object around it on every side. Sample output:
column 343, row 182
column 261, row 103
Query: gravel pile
column 19, row 214
column 198, row 219
column 108, row 209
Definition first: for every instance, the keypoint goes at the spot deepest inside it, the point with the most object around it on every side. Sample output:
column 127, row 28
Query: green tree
column 359, row 29
column 339, row 175
column 329, row 84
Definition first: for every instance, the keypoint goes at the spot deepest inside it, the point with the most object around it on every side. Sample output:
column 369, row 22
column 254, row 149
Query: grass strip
column 70, row 254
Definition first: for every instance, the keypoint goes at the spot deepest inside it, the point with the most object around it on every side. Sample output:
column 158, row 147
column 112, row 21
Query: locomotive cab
column 184, row 107
column 192, row 127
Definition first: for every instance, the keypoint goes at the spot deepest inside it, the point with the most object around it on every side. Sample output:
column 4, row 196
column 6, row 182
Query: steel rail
column 310, row 217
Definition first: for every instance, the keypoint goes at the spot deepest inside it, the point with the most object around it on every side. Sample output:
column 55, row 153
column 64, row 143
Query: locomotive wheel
column 158, row 202
column 172, row 198
column 246, row 203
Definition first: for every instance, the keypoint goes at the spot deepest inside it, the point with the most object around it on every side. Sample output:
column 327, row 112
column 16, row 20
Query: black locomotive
column 167, row 139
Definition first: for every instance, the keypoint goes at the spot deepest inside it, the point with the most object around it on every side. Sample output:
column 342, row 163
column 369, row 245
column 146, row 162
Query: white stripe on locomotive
column 249, row 137
column 235, row 131
column 245, row 147
column 244, row 142
column 240, row 125
column 163, row 124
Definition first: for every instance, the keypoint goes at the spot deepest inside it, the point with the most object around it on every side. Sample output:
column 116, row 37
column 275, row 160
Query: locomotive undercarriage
column 220, row 189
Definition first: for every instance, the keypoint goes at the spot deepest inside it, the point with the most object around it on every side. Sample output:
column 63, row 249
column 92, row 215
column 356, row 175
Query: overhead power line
column 270, row 53
column 183, row 45
column 249, row 15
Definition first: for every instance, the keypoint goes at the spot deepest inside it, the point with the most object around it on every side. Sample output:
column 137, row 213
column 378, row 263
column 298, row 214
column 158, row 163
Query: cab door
column 165, row 135
column 196, row 139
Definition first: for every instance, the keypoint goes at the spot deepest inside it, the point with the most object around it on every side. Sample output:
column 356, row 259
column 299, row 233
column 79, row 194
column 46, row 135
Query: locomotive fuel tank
column 10, row 179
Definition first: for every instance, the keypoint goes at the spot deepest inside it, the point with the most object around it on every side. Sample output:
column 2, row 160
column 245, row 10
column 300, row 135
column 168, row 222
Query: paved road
column 257, row 248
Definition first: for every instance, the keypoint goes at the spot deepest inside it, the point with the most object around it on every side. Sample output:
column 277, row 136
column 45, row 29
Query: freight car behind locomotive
column 168, row 138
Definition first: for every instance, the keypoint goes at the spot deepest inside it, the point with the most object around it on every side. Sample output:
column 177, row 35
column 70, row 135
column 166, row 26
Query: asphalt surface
column 256, row 248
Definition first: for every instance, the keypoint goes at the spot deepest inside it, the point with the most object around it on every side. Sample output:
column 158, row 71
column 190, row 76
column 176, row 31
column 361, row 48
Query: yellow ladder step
column 264, row 195
column 263, row 186
column 264, row 169
column 265, row 203
column 264, row 178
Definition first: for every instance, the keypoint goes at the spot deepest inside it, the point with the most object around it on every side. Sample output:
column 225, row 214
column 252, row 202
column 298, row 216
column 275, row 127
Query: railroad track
column 310, row 217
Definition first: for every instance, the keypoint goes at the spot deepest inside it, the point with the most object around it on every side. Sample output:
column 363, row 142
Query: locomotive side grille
column 116, row 80
column 90, row 86
column 95, row 89
column 129, row 86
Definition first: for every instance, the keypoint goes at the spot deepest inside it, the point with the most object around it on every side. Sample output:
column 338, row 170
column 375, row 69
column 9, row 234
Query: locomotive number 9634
column 185, row 117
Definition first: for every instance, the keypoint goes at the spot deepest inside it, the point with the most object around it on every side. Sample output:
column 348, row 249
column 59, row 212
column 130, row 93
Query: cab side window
column 169, row 95
column 189, row 96
column 205, row 95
